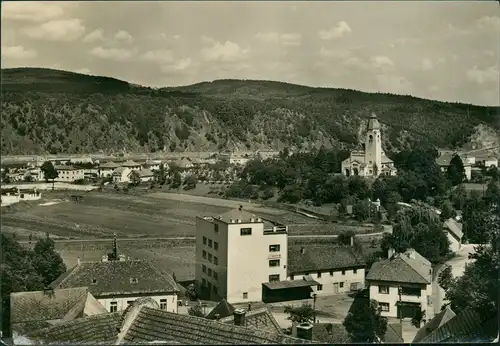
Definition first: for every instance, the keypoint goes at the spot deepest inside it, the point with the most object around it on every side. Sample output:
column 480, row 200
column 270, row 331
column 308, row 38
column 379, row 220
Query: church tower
column 373, row 147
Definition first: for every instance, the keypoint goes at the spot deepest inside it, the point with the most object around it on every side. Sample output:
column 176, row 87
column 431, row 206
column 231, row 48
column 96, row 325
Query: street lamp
column 314, row 306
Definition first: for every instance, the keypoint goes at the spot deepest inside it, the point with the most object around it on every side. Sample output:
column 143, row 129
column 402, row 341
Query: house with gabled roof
column 144, row 322
column 106, row 169
column 335, row 268
column 260, row 319
column 466, row 327
column 121, row 175
column 436, row 322
column 38, row 309
column 454, row 233
column 221, row 310
column 117, row 282
column 131, row 165
column 401, row 284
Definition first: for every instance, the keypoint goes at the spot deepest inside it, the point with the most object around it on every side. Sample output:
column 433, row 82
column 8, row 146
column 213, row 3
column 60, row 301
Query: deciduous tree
column 49, row 172
column 456, row 171
column 300, row 314
column 364, row 322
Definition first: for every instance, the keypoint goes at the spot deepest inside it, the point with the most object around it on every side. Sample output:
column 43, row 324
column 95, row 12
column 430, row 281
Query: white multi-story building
column 402, row 285
column 69, row 174
column 236, row 253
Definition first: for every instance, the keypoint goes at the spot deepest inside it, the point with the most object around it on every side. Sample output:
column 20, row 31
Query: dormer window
column 94, row 281
column 133, row 280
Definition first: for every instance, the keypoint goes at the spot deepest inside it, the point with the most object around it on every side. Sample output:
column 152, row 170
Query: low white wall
column 48, row 186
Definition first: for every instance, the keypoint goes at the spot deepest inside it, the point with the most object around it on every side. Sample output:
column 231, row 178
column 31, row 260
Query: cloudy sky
column 439, row 50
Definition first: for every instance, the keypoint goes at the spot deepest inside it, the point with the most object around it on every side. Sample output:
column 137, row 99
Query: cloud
column 340, row 54
column 32, row 11
column 64, row 30
column 94, row 36
column 160, row 56
column 122, row 35
column 478, row 76
column 18, row 52
column 227, row 52
column 380, row 61
column 286, row 39
column 355, row 62
column 427, row 65
column 83, row 71
column 336, row 31
column 394, row 84
column 177, row 37
column 180, row 65
column 489, row 23
column 111, row 53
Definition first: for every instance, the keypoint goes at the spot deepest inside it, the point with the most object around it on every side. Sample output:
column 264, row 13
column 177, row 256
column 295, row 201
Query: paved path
column 69, row 241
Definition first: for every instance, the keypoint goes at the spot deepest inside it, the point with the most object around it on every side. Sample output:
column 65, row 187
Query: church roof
column 373, row 123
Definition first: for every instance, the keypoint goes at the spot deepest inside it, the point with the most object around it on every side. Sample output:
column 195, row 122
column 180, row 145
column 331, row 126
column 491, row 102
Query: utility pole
column 314, row 307
column 400, row 312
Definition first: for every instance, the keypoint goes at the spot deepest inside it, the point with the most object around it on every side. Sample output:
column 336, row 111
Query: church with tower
column 372, row 161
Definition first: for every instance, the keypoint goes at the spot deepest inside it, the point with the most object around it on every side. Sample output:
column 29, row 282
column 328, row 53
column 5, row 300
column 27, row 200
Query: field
column 155, row 214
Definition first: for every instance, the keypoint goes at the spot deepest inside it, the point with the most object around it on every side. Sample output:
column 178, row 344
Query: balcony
column 276, row 230
column 274, row 256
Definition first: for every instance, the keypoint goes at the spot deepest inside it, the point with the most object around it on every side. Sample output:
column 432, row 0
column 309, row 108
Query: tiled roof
column 418, row 262
column 397, row 269
column 259, row 319
column 444, row 159
column 335, row 333
column 322, row 257
column 64, row 168
column 223, row 309
column 159, row 325
column 454, row 227
column 129, row 163
column 467, row 326
column 117, row 277
column 183, row 163
column 43, row 306
column 119, row 170
column 109, row 164
column 97, row 329
column 145, row 173
column 438, row 320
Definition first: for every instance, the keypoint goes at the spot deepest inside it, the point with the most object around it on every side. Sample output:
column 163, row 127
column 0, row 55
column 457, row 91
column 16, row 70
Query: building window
column 245, row 231
column 216, row 276
column 215, row 289
column 319, row 275
column 216, row 228
column 94, row 281
column 331, row 272
column 274, row 248
column 291, row 277
column 209, row 272
column 204, row 254
column 209, row 285
column 383, row 289
column 163, row 304
column 216, row 245
column 209, row 242
column 410, row 291
column 355, row 271
column 274, row 263
column 343, row 272
column 245, row 295
column 384, row 306
column 204, row 268
column 216, row 260
column 113, row 307
column 210, row 257
column 341, row 285
column 204, row 240
column 274, row 277
column 130, row 302
column 203, row 282
column 319, row 288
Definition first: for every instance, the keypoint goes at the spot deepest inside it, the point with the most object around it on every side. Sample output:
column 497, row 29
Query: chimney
column 302, row 250
column 48, row 291
column 305, row 331
column 240, row 208
column 249, row 306
column 217, row 317
column 78, row 261
column 352, row 241
column 239, row 317
column 390, row 253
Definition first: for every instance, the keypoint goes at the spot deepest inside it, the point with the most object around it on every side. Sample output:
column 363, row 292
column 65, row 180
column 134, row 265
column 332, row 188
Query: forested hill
column 51, row 111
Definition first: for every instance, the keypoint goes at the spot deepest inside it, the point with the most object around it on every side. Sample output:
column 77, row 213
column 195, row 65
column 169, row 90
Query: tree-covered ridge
column 49, row 111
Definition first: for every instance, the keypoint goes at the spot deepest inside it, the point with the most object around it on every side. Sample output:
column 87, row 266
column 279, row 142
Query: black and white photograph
column 249, row 172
